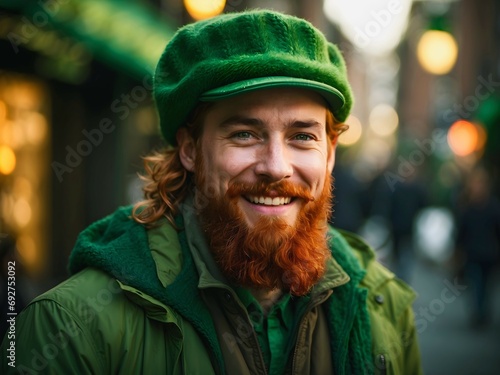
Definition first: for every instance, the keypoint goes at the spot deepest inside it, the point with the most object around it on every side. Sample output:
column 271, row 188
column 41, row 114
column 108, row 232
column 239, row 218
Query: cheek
column 312, row 169
column 311, row 164
column 234, row 162
column 226, row 165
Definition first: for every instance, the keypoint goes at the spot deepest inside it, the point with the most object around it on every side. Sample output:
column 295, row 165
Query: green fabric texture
column 237, row 47
column 273, row 331
column 120, row 252
column 348, row 315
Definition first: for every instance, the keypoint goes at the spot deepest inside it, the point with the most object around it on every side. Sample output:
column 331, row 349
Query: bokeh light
column 437, row 51
column 384, row 120
column 22, row 212
column 434, row 233
column 25, row 157
column 354, row 133
column 202, row 9
column 7, row 160
column 464, row 138
column 36, row 128
column 375, row 27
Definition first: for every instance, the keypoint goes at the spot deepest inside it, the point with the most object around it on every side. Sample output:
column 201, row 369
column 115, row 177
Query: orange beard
column 272, row 254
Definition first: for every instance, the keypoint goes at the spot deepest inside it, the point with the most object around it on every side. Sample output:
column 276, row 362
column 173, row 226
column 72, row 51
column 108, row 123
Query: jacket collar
column 365, row 255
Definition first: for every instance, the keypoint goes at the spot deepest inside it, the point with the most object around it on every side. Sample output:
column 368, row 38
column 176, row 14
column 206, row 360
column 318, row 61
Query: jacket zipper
column 244, row 313
column 261, row 356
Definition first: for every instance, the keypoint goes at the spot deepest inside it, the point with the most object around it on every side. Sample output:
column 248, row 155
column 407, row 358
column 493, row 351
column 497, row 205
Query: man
column 229, row 266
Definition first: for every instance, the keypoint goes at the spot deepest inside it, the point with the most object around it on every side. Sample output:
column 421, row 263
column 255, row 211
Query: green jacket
column 139, row 303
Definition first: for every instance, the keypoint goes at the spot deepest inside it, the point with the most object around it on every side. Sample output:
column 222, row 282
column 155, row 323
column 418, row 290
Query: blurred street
column 448, row 342
column 416, row 175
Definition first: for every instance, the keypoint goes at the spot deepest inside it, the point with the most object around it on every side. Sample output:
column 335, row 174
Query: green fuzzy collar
column 119, row 246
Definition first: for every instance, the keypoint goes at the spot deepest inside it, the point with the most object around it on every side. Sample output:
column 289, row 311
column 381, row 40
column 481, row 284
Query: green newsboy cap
column 240, row 52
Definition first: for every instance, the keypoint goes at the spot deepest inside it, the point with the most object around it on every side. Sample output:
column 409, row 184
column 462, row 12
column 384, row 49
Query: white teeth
column 268, row 201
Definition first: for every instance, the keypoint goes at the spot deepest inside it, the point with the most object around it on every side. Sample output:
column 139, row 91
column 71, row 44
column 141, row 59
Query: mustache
column 280, row 188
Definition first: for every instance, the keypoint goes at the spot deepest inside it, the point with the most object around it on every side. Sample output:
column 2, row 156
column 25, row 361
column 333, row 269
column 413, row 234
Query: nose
column 274, row 161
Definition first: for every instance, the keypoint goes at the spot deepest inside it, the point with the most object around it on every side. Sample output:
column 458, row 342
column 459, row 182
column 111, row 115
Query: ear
column 187, row 149
column 330, row 162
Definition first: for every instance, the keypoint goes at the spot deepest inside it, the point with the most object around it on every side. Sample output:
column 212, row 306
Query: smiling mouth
column 268, row 201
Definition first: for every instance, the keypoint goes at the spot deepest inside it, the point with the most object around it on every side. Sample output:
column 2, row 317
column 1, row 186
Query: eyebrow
column 241, row 120
column 306, row 124
column 251, row 121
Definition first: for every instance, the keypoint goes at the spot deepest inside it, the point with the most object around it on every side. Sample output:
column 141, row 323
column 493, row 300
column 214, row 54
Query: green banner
column 127, row 35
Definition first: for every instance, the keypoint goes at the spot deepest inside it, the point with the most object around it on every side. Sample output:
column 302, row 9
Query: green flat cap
column 240, row 52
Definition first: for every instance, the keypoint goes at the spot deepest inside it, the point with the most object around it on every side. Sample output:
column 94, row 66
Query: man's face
column 262, row 170
column 266, row 136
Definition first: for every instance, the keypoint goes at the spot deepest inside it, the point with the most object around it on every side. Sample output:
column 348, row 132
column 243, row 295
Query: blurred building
column 75, row 117
column 451, row 113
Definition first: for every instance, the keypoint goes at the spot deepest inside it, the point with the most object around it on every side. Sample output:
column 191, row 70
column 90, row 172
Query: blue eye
column 303, row 137
column 242, row 135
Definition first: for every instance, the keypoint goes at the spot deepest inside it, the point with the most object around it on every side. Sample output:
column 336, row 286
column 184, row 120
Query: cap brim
column 334, row 97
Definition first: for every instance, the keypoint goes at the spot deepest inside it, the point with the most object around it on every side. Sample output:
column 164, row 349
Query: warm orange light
column 22, row 212
column 201, row 9
column 463, row 137
column 7, row 160
column 36, row 128
column 3, row 111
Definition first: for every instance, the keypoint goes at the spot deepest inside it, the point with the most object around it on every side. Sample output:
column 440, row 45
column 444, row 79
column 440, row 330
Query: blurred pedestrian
column 347, row 214
column 405, row 202
column 478, row 240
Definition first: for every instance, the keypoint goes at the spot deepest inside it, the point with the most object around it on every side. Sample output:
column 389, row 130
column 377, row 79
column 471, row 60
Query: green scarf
column 118, row 246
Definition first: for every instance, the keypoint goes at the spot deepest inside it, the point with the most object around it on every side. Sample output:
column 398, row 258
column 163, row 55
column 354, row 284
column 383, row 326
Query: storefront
column 75, row 116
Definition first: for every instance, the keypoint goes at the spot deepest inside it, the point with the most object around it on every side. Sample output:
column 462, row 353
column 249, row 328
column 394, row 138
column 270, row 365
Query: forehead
column 267, row 104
